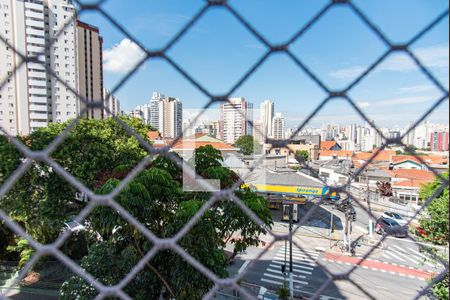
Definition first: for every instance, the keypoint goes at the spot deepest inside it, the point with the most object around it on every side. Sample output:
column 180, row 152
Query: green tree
column 157, row 199
column 440, row 289
column 436, row 221
column 100, row 154
column 301, row 155
column 41, row 201
column 248, row 145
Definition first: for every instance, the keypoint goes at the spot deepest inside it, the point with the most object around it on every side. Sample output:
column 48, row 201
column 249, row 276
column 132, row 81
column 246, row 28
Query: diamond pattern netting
column 96, row 200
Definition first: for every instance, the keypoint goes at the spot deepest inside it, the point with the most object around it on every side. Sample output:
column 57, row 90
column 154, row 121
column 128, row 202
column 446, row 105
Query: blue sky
column 218, row 50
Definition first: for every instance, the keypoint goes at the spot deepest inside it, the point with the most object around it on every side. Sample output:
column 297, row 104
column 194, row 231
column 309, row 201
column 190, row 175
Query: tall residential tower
column 90, row 70
column 235, row 118
column 46, row 30
column 267, row 109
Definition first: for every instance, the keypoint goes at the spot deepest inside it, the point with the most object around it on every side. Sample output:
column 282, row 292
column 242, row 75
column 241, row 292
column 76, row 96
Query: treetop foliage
column 100, row 154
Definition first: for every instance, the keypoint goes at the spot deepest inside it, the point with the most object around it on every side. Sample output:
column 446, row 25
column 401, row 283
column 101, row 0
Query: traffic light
column 283, row 268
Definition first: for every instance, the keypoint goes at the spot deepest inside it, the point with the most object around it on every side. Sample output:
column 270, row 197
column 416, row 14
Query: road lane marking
column 282, row 278
column 425, row 258
column 400, row 248
column 399, row 258
column 386, row 255
column 278, row 269
column 242, row 268
column 405, row 256
column 271, row 281
column 312, row 254
column 378, row 266
column 297, row 265
column 296, row 258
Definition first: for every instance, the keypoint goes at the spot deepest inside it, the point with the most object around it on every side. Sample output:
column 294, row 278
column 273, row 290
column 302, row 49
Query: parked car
column 390, row 226
column 394, row 216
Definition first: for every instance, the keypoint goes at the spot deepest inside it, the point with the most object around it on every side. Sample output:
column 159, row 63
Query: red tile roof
column 412, row 174
column 383, row 155
column 153, row 135
column 411, row 183
column 428, row 159
column 191, row 144
column 338, row 153
column 327, row 145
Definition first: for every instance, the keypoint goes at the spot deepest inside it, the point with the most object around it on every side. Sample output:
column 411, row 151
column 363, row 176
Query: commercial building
column 90, row 70
column 439, row 141
column 235, row 118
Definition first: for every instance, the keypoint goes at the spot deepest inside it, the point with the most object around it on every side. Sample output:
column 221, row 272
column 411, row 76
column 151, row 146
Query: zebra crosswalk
column 304, row 263
column 407, row 256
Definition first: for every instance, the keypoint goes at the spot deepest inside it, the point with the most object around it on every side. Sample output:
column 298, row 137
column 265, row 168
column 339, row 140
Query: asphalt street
column 398, row 269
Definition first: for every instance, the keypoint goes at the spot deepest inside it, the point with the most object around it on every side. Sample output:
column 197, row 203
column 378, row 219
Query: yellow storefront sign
column 282, row 189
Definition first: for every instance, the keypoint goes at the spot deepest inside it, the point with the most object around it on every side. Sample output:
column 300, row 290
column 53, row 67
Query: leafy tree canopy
column 436, row 223
column 248, row 145
column 302, row 155
column 91, row 151
column 100, row 154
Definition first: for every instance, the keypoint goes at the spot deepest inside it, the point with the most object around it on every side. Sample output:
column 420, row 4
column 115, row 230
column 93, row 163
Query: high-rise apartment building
column 111, row 105
column 259, row 132
column 170, row 117
column 235, row 118
column 439, row 141
column 278, row 127
column 90, row 70
column 32, row 97
column 145, row 110
column 136, row 113
column 162, row 113
column 154, row 109
column 266, row 111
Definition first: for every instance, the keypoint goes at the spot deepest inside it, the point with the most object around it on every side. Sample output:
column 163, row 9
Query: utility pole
column 291, row 274
column 331, row 227
column 368, row 195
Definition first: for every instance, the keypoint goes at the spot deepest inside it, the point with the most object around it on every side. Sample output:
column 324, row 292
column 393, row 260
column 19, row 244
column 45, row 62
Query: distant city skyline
column 394, row 93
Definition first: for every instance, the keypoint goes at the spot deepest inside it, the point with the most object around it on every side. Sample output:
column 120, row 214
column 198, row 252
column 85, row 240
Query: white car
column 394, row 216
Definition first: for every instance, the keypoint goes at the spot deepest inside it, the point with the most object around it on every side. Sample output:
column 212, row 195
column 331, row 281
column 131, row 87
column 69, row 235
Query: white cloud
column 432, row 57
column 347, row 73
column 397, row 101
column 417, row 88
column 404, row 100
column 363, row 104
column 122, row 57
